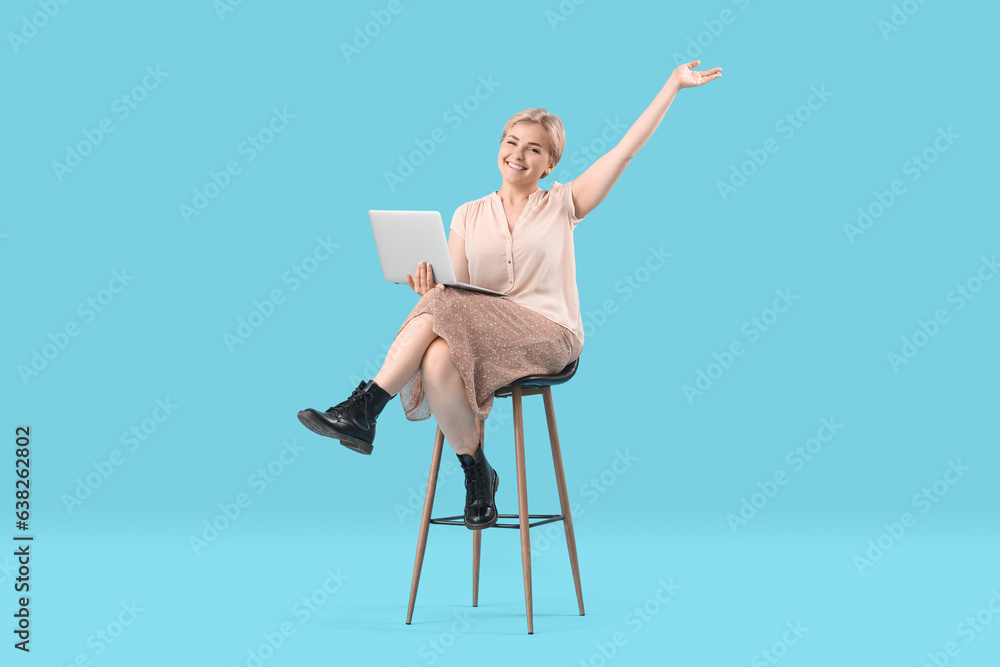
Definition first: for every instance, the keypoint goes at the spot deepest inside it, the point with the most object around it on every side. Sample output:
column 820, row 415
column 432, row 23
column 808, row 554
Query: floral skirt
column 493, row 342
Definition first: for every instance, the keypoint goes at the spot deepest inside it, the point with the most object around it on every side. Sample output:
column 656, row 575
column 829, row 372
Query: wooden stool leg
column 477, row 535
column 550, row 417
column 522, row 502
column 477, row 540
column 425, row 520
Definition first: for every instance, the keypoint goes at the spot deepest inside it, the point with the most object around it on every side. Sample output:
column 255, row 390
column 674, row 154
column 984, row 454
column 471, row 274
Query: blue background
column 694, row 458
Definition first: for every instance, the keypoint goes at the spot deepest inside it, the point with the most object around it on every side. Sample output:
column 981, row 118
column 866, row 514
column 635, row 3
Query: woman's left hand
column 684, row 77
column 422, row 281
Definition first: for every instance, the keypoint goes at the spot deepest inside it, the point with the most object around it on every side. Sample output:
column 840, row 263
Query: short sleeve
column 458, row 221
column 564, row 191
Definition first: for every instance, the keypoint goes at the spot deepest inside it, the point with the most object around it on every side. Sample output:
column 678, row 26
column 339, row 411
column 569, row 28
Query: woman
column 457, row 347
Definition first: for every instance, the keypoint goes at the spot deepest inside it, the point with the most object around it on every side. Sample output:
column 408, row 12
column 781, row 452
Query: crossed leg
column 417, row 347
column 404, row 355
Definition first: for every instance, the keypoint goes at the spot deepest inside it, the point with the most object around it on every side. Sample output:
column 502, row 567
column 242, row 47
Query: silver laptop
column 406, row 238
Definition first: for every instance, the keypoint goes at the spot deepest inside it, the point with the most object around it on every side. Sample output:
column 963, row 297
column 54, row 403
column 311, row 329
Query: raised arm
column 593, row 185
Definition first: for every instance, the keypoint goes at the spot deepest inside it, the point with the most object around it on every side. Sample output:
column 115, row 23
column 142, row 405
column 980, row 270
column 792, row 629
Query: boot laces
column 358, row 395
column 476, row 484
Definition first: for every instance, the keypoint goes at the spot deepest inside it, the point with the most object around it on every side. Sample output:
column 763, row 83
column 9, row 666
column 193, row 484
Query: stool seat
column 539, row 381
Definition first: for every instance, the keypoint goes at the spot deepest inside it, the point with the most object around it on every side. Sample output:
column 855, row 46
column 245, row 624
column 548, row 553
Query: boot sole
column 496, row 485
column 312, row 421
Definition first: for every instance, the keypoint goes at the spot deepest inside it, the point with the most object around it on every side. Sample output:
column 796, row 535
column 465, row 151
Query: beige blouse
column 535, row 266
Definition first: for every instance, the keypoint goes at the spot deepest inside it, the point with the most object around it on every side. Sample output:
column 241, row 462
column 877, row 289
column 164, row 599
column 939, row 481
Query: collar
column 495, row 195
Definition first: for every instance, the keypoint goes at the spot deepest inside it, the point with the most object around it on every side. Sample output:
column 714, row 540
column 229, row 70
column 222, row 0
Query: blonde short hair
column 551, row 123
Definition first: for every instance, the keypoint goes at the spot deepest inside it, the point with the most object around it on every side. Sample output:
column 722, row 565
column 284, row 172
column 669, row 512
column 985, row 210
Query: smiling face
column 524, row 155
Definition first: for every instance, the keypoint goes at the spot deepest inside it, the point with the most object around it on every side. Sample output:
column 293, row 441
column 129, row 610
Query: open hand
column 684, row 77
column 423, row 281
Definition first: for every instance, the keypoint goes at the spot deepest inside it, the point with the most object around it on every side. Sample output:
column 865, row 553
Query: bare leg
column 445, row 392
column 353, row 421
column 404, row 355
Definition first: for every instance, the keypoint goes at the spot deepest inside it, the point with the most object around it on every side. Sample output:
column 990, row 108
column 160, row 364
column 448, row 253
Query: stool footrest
column 546, row 518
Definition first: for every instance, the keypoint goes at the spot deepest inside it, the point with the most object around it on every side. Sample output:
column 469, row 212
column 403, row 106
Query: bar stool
column 526, row 386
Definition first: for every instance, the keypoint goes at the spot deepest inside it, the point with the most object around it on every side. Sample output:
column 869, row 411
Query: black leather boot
column 352, row 421
column 481, row 483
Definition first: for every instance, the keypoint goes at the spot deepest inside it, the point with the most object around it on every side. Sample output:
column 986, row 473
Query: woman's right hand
column 422, row 280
